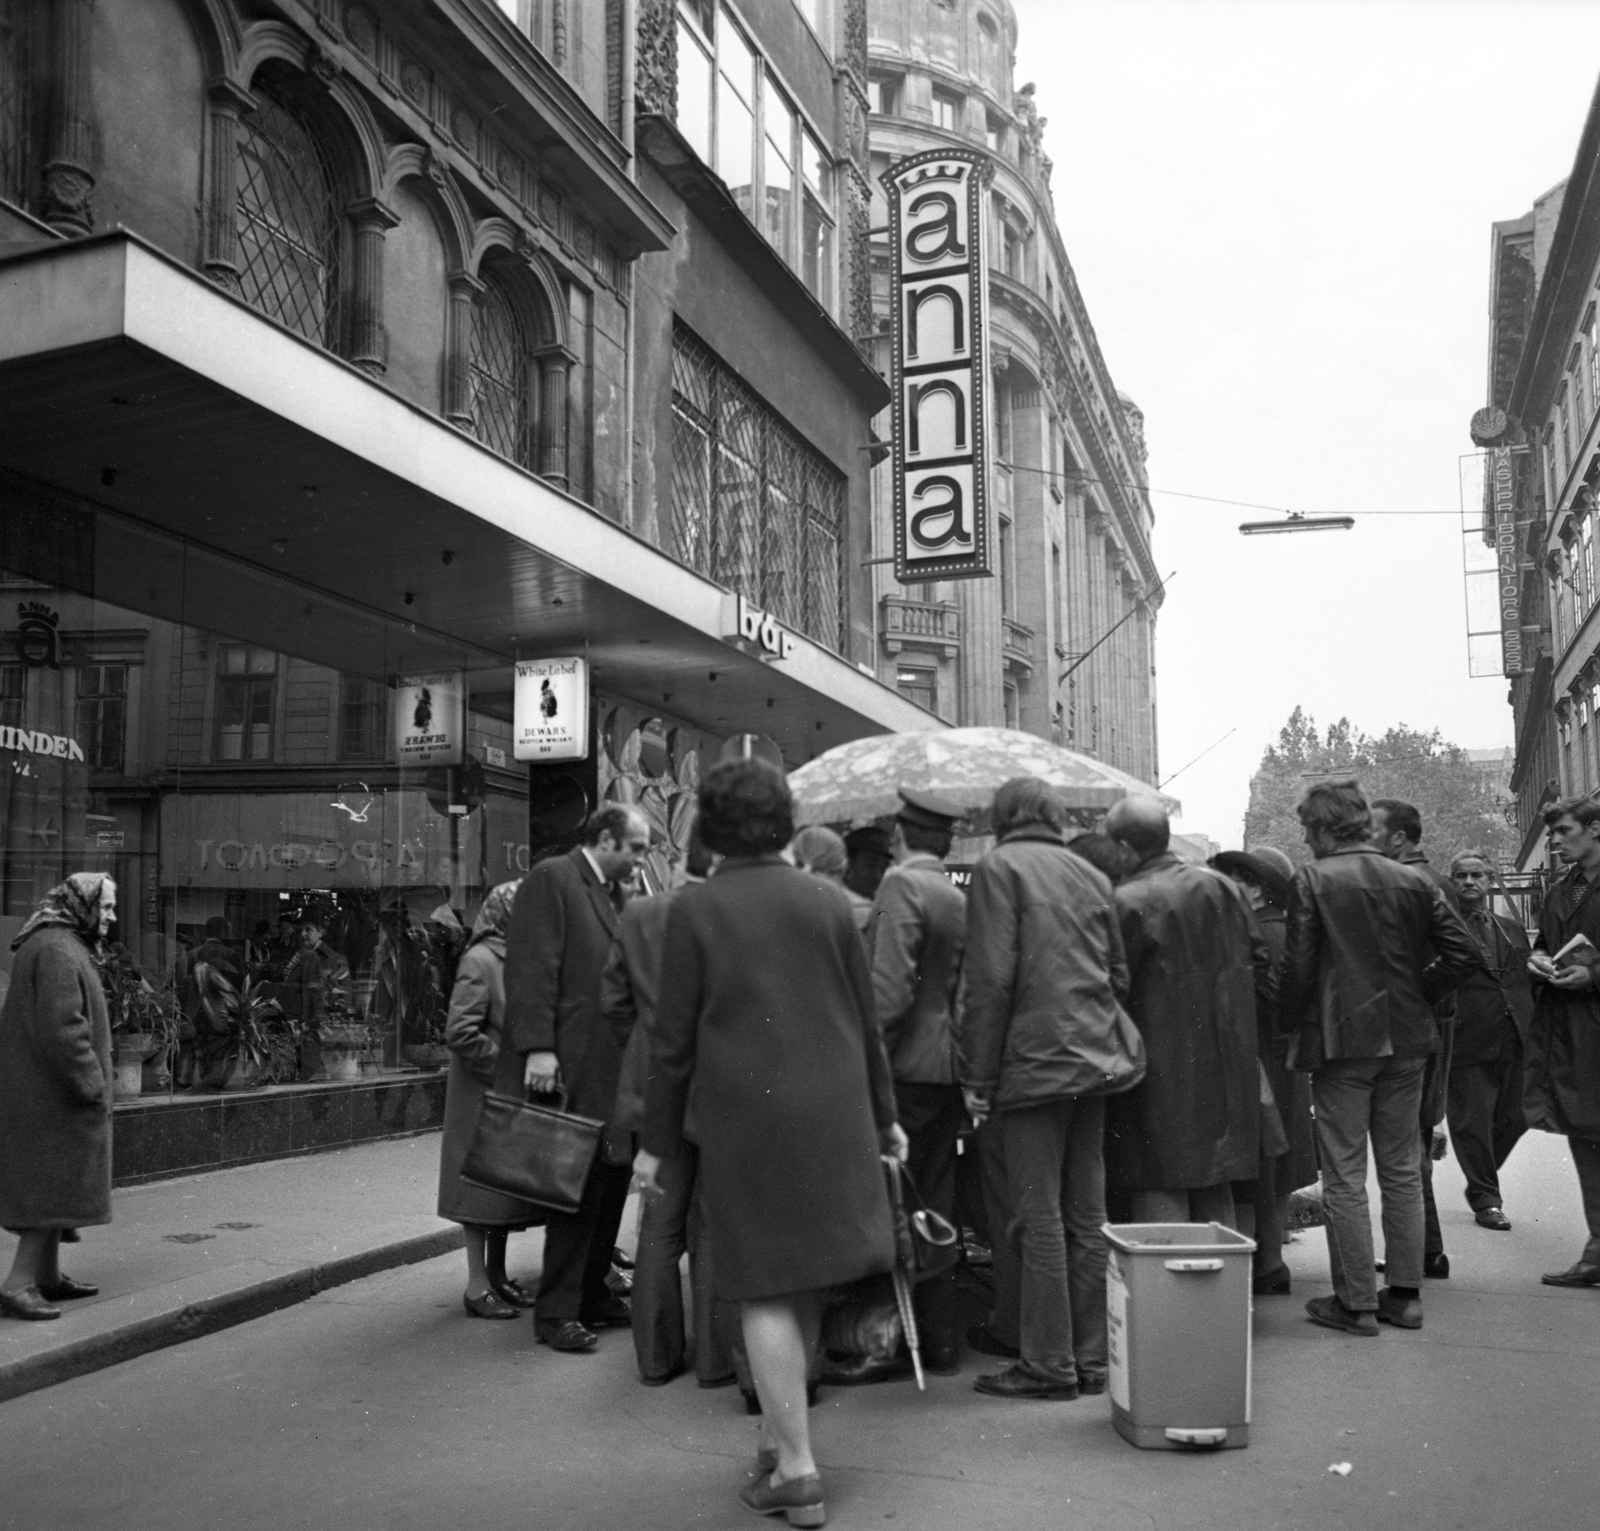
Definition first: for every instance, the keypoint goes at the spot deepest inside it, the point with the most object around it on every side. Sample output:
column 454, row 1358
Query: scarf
column 74, row 905
column 494, row 918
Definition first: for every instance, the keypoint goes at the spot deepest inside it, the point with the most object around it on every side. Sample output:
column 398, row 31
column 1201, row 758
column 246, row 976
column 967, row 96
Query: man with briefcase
column 556, row 1041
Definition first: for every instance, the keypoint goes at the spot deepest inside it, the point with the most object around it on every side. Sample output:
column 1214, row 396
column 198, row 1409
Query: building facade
column 350, row 355
column 1061, row 642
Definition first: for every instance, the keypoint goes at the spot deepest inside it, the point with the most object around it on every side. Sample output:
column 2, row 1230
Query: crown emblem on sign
column 31, row 613
column 934, row 173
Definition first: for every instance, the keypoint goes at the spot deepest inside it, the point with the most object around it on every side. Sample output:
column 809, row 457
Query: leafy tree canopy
column 1460, row 805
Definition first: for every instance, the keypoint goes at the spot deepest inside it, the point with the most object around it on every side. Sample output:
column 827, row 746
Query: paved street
column 380, row 1405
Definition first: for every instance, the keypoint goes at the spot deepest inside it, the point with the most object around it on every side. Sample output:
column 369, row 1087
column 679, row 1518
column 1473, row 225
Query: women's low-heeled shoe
column 64, row 1289
column 799, row 1500
column 489, row 1305
column 511, row 1291
column 1273, row 1283
column 27, row 1303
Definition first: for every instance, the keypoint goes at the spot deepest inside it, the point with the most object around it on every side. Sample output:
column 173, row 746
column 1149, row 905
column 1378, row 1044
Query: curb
column 216, row 1313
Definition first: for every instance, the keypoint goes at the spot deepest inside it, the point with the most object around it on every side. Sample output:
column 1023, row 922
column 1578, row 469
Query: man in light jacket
column 1042, row 1038
column 1371, row 946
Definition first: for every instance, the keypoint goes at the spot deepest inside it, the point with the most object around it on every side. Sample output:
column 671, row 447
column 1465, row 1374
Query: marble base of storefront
column 153, row 1139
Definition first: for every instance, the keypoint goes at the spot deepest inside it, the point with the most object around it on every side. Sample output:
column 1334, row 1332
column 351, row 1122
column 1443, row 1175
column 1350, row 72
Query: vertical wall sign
column 429, row 726
column 940, row 327
column 550, row 710
column 1508, row 587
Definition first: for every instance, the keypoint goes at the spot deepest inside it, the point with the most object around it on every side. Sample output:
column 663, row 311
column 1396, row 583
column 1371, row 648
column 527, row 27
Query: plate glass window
column 777, row 167
column 736, row 114
column 816, row 220
column 696, row 70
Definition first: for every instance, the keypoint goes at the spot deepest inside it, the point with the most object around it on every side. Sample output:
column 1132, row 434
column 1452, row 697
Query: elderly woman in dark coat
column 472, row 1033
column 55, row 1092
column 765, row 1030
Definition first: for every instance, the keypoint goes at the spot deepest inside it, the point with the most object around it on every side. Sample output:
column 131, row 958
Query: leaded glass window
column 14, row 102
column 500, row 369
column 288, row 219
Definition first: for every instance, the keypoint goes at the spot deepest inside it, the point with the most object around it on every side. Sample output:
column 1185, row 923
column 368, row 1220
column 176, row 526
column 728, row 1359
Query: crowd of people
column 1095, row 1029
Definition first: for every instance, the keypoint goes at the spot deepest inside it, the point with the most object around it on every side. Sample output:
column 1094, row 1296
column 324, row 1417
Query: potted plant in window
column 268, row 1050
column 144, row 1020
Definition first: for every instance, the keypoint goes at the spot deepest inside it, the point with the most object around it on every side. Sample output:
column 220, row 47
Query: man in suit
column 1397, row 834
column 556, row 1038
column 1493, row 1008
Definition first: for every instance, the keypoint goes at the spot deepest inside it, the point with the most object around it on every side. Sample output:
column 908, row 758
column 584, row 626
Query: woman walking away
column 472, row 1033
column 820, row 851
column 765, row 1022
column 55, row 1092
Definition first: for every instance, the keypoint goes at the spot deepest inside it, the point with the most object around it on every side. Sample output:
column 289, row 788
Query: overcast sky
column 1278, row 212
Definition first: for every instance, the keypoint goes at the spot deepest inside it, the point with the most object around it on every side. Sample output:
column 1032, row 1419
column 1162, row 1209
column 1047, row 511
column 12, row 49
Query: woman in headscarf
column 55, row 1091
column 472, row 1033
column 821, row 852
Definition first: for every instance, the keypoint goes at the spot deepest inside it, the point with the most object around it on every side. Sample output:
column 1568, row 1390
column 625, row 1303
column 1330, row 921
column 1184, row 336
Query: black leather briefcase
column 532, row 1151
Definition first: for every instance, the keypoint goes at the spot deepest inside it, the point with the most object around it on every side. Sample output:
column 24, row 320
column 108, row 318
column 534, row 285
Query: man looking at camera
column 1563, row 1061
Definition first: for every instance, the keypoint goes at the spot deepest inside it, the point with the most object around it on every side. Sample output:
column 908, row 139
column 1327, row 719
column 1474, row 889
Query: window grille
column 14, row 101
column 753, row 506
column 500, row 375
column 288, row 219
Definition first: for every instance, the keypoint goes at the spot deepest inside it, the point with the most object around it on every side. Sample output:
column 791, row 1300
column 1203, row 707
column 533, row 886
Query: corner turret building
column 1061, row 642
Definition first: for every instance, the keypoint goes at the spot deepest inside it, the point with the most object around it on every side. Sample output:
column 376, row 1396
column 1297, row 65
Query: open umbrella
column 858, row 781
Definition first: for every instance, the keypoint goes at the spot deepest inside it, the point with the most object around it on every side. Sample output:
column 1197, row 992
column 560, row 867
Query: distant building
column 1039, row 647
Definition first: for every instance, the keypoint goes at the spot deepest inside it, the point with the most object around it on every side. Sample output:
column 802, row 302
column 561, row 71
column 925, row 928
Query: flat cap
column 926, row 809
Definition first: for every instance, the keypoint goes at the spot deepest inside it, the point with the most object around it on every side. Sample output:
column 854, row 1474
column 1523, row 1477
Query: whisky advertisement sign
column 429, row 726
column 939, row 328
column 550, row 710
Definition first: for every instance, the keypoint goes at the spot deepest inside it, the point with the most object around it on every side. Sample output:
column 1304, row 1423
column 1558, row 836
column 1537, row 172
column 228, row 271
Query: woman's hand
column 894, row 1144
column 645, row 1166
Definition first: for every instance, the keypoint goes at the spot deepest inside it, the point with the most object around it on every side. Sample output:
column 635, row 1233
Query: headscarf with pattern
column 494, row 918
column 74, row 905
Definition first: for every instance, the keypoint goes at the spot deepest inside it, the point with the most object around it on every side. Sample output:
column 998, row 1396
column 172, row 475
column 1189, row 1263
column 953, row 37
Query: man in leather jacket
column 1371, row 947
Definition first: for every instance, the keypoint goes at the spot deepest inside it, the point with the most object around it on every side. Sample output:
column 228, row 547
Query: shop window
column 947, row 111
column 288, row 222
column 500, row 375
column 754, row 506
column 103, row 715
column 14, row 104
column 247, row 680
column 918, row 685
column 363, row 718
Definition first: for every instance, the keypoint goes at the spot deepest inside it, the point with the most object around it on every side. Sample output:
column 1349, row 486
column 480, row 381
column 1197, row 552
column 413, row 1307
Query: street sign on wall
column 1492, row 562
column 940, row 322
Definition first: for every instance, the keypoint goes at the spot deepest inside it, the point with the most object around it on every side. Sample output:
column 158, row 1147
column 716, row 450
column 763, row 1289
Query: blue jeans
column 1381, row 1098
column 1056, row 1182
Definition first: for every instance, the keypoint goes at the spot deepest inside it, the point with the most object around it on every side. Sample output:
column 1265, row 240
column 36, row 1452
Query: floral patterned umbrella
column 855, row 782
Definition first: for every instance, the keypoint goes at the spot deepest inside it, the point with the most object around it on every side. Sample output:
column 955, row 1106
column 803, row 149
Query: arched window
column 501, row 375
column 288, row 222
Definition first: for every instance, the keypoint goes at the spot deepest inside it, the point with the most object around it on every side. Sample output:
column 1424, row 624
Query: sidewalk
column 186, row 1257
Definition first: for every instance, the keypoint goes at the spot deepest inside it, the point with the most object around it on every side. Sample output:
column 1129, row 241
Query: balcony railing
column 932, row 625
column 1016, row 644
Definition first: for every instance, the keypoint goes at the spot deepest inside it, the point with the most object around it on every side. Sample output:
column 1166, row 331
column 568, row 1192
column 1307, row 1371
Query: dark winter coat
column 1495, row 1002
column 55, row 1087
column 1196, row 960
column 918, row 930
column 562, row 925
column 1562, row 1064
column 764, row 1023
column 472, row 1033
column 628, row 990
column 1291, row 1091
column 1372, row 945
column 1041, row 1017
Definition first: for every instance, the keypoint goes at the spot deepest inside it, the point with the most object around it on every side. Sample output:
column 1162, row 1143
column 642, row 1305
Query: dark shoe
column 71, row 1236
column 1332, row 1314
column 1402, row 1312
column 799, row 1500
column 615, row 1314
column 27, row 1304
column 858, row 1371
column 1495, row 1218
column 666, row 1377
column 942, row 1360
column 1581, row 1274
column 64, row 1289
column 1014, row 1382
column 565, row 1334
column 1091, row 1387
column 1274, row 1283
column 982, row 1338
column 513, row 1292
column 489, row 1305
column 1436, row 1267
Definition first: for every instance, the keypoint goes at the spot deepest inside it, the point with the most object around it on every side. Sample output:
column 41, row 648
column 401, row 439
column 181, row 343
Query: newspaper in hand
column 1580, row 951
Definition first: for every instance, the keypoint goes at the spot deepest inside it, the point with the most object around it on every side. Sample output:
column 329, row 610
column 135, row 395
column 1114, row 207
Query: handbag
column 532, row 1151
column 928, row 1237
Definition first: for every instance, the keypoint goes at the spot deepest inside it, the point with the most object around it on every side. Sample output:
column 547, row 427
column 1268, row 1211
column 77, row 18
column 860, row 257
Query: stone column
column 555, row 363
column 465, row 290
column 228, row 105
column 369, row 341
column 68, row 181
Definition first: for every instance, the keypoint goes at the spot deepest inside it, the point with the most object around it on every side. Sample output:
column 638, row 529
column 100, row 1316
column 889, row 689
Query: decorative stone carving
column 855, row 122
column 321, row 65
column 360, row 28
column 413, row 83
column 68, row 182
column 1133, row 421
column 505, row 170
column 369, row 340
column 860, row 308
column 655, row 75
column 464, row 128
column 558, row 31
column 1030, row 125
column 614, row 24
column 583, row 240
column 855, row 38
